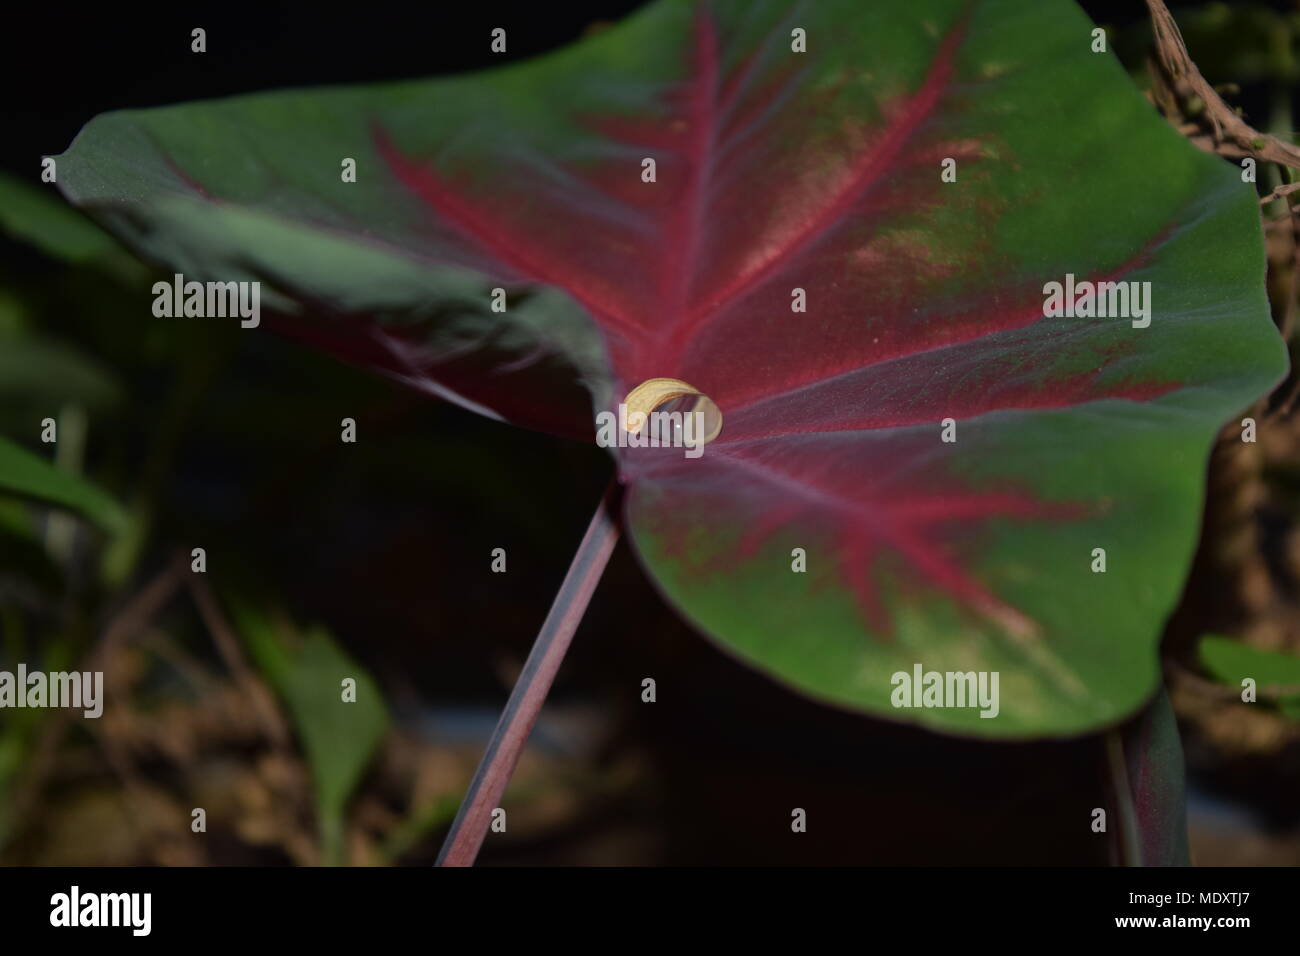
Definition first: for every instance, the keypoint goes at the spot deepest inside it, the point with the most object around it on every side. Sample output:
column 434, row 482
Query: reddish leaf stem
column 530, row 690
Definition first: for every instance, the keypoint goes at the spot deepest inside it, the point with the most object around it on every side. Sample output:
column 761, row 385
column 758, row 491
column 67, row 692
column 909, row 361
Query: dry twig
column 1231, row 135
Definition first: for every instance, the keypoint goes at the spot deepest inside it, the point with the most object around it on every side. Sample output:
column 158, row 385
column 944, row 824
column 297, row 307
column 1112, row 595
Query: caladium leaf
column 799, row 155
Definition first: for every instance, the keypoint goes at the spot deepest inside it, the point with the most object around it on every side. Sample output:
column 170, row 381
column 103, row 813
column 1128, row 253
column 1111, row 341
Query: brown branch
column 1230, row 134
column 1278, row 192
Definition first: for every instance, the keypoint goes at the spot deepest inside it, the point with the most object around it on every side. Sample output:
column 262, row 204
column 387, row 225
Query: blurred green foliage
column 1232, row 662
column 182, row 432
column 340, row 736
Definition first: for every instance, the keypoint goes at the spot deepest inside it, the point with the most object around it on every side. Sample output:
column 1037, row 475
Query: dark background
column 64, row 63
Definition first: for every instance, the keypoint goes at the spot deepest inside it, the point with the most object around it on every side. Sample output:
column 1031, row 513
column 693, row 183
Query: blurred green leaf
column 36, row 215
column 1231, row 661
column 13, row 315
column 36, row 371
column 15, row 520
column 339, row 737
column 29, row 475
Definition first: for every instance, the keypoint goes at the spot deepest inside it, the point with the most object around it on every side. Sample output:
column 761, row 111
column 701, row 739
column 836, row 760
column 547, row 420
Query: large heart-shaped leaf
column 778, row 170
